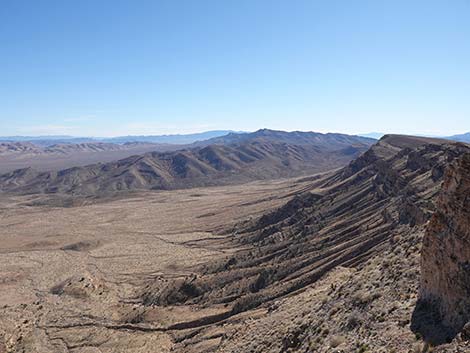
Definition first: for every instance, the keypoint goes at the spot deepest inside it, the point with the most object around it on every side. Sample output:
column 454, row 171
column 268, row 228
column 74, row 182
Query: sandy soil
column 69, row 276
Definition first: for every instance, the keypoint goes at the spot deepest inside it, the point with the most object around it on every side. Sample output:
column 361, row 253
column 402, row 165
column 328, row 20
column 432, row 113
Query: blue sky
column 106, row 68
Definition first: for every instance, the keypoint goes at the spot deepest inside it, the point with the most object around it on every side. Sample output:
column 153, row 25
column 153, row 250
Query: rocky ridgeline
column 366, row 221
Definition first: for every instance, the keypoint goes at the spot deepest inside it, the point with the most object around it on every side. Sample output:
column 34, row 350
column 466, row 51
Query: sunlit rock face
column 445, row 259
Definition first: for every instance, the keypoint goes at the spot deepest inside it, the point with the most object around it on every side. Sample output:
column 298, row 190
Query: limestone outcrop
column 445, row 257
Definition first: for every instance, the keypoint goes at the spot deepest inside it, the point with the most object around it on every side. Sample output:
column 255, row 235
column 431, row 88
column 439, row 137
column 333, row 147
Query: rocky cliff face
column 445, row 258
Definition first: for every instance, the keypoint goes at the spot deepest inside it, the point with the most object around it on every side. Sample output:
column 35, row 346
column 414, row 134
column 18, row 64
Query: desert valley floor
column 69, row 273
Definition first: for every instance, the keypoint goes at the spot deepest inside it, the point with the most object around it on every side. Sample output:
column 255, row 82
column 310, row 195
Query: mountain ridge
column 239, row 158
column 461, row 137
column 365, row 220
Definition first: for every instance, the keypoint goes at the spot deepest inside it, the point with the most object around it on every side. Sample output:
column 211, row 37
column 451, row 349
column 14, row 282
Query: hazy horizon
column 371, row 134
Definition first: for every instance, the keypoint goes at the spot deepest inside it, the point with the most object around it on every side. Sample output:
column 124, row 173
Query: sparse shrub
column 58, row 289
column 261, row 281
column 334, row 310
column 381, row 316
column 354, row 321
column 291, row 340
column 247, row 302
column 190, row 289
column 335, row 341
column 363, row 298
column 363, row 348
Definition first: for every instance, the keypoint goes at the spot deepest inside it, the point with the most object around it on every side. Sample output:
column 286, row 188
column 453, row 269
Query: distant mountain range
column 179, row 139
column 19, row 154
column 28, row 148
column 234, row 158
column 328, row 141
column 373, row 135
column 460, row 138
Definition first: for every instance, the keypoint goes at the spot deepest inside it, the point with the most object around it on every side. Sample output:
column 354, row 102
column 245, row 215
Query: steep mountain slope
column 361, row 227
column 271, row 156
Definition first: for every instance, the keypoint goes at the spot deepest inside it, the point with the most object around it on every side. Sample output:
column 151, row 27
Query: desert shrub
column 247, row 302
column 58, row 289
column 261, row 281
column 174, row 293
column 354, row 320
column 190, row 289
column 291, row 340
column 363, row 348
column 363, row 298
column 335, row 341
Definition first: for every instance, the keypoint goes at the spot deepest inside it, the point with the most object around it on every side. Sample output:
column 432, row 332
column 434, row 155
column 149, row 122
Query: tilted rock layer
column 445, row 259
